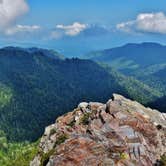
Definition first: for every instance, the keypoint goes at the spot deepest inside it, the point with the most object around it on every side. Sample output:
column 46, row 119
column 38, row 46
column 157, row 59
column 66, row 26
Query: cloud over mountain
column 146, row 23
column 79, row 29
column 73, row 29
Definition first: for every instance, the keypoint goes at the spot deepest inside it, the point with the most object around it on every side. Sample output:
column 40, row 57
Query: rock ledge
column 121, row 132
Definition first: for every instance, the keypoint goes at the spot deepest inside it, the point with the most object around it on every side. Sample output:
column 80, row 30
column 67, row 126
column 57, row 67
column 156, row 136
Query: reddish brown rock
column 122, row 132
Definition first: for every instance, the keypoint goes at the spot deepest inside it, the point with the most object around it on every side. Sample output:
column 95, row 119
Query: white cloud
column 72, row 30
column 125, row 26
column 22, row 28
column 146, row 22
column 10, row 11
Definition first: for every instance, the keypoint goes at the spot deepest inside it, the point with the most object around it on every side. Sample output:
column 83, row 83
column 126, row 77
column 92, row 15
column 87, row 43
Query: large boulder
column 121, row 132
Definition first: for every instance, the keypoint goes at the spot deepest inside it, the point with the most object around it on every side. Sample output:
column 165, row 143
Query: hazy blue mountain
column 49, row 53
column 131, row 57
column 145, row 62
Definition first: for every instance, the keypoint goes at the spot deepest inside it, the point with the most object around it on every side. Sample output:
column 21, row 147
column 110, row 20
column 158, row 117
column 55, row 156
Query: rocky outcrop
column 121, row 132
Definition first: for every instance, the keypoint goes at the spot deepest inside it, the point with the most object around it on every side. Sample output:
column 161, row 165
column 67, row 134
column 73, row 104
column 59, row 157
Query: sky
column 77, row 27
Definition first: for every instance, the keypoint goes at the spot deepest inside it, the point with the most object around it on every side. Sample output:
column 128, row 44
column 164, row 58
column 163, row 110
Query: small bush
column 45, row 157
column 85, row 119
column 124, row 156
column 61, row 139
column 163, row 160
column 53, row 131
column 72, row 123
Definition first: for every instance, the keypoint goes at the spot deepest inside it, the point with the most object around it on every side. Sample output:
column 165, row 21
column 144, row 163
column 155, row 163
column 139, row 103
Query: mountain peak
column 150, row 44
column 120, row 132
column 33, row 50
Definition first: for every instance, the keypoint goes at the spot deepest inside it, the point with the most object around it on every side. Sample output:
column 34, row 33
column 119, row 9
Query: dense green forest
column 159, row 103
column 136, row 90
column 154, row 76
column 16, row 154
column 36, row 86
column 35, row 89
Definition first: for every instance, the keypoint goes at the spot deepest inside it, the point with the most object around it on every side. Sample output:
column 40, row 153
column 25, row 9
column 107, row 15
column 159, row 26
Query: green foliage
column 53, row 131
column 3, row 141
column 134, row 88
column 16, row 154
column 124, row 156
column 154, row 76
column 61, row 139
column 163, row 160
column 85, row 118
column 159, row 103
column 72, row 123
column 5, row 95
column 45, row 156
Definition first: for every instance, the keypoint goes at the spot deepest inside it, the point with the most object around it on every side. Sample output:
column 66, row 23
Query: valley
column 144, row 62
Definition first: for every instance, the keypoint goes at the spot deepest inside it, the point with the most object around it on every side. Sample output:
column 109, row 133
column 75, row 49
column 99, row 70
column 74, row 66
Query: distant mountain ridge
column 131, row 56
column 50, row 53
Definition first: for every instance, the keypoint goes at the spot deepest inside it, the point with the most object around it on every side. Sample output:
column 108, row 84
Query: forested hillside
column 36, row 88
column 131, row 57
column 159, row 103
column 153, row 76
column 144, row 63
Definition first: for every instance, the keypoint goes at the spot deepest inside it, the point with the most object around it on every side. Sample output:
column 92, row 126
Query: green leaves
column 5, row 95
column 18, row 154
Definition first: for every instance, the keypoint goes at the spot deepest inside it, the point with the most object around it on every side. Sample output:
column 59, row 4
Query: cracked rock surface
column 121, row 132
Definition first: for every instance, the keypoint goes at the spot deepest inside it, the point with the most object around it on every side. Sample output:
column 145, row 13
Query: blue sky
column 78, row 26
